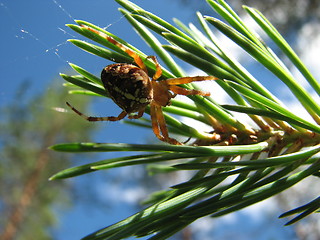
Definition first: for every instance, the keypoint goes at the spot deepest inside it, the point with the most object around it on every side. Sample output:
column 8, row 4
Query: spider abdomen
column 128, row 86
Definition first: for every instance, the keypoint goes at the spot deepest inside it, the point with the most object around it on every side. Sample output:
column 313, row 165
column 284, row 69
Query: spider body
column 128, row 86
column 131, row 88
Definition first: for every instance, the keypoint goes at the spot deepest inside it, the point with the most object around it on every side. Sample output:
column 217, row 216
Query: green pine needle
column 235, row 164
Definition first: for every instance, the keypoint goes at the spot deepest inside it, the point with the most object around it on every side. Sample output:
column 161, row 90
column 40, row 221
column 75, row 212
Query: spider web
column 27, row 33
column 34, row 44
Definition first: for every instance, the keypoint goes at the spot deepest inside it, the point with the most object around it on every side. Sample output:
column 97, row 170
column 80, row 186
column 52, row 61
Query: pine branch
column 291, row 142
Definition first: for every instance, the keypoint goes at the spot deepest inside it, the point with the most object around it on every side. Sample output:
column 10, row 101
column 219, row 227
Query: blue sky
column 34, row 47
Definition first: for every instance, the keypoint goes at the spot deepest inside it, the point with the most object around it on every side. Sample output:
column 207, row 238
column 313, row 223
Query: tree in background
column 28, row 126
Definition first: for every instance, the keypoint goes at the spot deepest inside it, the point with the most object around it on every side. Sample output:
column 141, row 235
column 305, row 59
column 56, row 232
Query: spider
column 131, row 88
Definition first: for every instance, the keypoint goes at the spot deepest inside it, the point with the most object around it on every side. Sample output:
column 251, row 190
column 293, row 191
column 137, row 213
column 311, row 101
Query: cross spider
column 131, row 88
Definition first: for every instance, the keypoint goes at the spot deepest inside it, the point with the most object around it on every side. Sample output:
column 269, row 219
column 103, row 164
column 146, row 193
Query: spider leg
column 158, row 72
column 184, row 80
column 159, row 126
column 172, row 82
column 94, row 119
column 137, row 59
column 154, row 121
column 183, row 91
column 139, row 115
